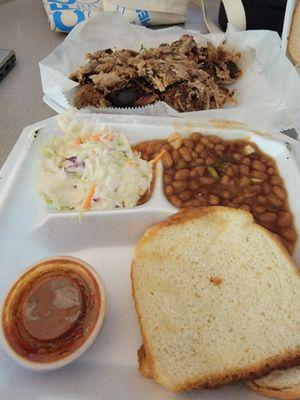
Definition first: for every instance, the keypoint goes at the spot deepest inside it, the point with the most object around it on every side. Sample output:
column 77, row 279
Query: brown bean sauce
column 39, row 322
column 206, row 170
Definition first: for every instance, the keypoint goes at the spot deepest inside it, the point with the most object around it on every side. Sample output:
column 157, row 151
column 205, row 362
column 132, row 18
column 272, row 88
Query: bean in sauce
column 208, row 170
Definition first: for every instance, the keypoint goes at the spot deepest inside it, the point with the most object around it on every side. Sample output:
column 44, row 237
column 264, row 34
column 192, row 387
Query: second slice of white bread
column 279, row 384
column 294, row 36
column 218, row 300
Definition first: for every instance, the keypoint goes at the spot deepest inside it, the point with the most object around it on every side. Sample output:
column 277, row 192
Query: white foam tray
column 105, row 239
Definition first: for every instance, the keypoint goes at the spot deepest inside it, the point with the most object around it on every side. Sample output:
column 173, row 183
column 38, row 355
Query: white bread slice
column 294, row 36
column 217, row 298
column 279, row 384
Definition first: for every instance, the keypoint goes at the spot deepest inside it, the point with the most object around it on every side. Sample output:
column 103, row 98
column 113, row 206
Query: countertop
column 24, row 28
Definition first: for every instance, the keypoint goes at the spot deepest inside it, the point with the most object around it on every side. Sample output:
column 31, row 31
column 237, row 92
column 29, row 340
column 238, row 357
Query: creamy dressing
column 95, row 171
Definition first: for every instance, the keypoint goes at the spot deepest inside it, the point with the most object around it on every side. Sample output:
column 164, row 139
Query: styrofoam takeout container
column 37, row 366
column 105, row 239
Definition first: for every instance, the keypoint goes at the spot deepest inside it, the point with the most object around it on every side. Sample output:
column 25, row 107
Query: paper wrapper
column 267, row 95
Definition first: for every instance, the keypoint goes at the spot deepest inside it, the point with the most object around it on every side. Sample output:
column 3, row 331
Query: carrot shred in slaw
column 88, row 200
column 158, row 157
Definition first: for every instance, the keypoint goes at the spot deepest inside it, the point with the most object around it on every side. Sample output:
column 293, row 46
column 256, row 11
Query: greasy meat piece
column 163, row 73
column 222, row 64
column 182, row 73
column 194, row 96
column 186, row 46
column 87, row 95
column 132, row 96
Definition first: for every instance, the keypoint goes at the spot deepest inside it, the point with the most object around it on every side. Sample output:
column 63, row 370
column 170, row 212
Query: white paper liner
column 268, row 94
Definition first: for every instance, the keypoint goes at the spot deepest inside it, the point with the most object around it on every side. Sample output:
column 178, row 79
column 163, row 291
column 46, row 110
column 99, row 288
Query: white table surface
column 24, row 28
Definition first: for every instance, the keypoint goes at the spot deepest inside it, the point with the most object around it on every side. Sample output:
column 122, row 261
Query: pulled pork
column 187, row 77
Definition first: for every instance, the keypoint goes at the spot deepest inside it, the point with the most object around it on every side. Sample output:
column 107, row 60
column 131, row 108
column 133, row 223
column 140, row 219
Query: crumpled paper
column 267, row 95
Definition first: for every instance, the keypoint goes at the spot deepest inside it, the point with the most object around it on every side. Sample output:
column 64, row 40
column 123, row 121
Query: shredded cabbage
column 95, row 171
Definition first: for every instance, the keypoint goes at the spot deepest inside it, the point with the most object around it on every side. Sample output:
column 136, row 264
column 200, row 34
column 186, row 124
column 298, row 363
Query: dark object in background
column 260, row 14
column 7, row 61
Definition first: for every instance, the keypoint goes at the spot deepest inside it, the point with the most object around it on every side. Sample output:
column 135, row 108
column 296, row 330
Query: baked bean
column 199, row 147
column 195, row 136
column 259, row 175
column 246, row 161
column 200, row 170
column 266, row 188
column 279, row 192
column 169, row 190
column 261, row 200
column 185, row 196
column 180, row 185
column 167, row 160
column 176, row 201
column 275, row 180
column 167, row 179
column 285, row 219
column 189, row 204
column 214, row 139
column 182, row 174
column 273, row 200
column 203, row 191
column 225, row 195
column 213, row 200
column 206, row 180
column 237, row 200
column 267, row 217
column 158, row 147
column 199, row 202
column 237, row 157
column 151, row 148
column 188, row 143
column 230, row 171
column 244, row 181
column 245, row 207
column 193, row 173
column 181, row 164
column 259, row 166
column 244, row 170
column 175, row 155
column 259, row 209
column 141, row 147
column 198, row 161
column 256, row 188
column 186, row 154
column 289, row 234
column 264, row 159
column 204, row 140
column 207, row 170
column 170, row 172
column 193, row 184
column 209, row 161
column 220, row 148
column 225, row 180
column 168, row 148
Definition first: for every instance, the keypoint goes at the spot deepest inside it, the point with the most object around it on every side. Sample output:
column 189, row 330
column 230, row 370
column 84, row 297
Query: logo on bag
column 144, row 17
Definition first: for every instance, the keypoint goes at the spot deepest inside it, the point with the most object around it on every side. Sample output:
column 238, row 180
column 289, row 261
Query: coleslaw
column 92, row 171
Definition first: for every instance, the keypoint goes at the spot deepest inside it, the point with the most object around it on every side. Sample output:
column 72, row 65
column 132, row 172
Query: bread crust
column 275, row 393
column 146, row 360
column 144, row 355
column 187, row 214
column 294, row 35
